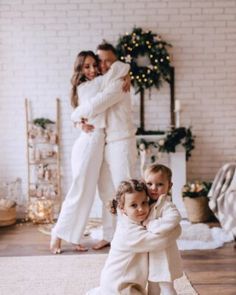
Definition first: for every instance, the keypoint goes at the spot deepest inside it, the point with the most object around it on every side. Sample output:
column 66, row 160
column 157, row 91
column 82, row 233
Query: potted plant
column 196, row 201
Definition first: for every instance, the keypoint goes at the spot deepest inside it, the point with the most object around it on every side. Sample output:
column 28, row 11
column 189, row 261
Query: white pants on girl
column 86, row 160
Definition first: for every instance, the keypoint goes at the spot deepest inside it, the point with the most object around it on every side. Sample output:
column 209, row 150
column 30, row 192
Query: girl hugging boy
column 144, row 245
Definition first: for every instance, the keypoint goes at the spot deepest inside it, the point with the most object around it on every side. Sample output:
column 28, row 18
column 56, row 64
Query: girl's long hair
column 78, row 76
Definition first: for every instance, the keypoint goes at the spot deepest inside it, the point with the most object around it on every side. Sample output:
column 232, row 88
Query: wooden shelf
column 51, row 187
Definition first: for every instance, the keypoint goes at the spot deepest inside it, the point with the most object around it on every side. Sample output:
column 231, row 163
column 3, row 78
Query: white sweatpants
column 118, row 164
column 86, row 160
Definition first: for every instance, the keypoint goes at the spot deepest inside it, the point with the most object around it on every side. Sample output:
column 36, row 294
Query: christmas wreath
column 148, row 57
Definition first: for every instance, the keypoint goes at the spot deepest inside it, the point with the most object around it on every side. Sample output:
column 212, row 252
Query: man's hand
column 83, row 125
column 87, row 127
column 127, row 83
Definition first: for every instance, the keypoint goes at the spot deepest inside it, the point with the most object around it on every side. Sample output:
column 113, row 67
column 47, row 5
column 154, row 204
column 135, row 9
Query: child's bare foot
column 101, row 244
column 80, row 248
column 55, row 245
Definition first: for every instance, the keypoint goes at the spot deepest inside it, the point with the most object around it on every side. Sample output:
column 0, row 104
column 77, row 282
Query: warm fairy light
column 41, row 211
column 145, row 44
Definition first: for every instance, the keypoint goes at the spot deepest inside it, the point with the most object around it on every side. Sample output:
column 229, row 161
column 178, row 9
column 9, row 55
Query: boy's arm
column 112, row 93
column 167, row 222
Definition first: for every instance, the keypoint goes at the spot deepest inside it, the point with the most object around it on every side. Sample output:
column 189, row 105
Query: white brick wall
column 40, row 39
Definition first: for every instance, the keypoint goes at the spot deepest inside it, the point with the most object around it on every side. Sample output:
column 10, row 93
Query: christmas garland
column 168, row 144
column 148, row 58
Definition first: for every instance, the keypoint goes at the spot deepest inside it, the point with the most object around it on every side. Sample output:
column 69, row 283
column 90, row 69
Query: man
column 120, row 148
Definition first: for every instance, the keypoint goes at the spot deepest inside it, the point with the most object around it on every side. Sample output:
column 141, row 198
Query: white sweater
column 114, row 102
column 86, row 92
column 164, row 265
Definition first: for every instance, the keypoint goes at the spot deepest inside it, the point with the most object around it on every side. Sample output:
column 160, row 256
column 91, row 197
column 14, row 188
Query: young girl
column 165, row 265
column 87, row 152
column 126, row 268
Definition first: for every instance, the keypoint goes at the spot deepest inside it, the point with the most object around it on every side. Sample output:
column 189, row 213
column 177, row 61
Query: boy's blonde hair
column 155, row 168
column 127, row 187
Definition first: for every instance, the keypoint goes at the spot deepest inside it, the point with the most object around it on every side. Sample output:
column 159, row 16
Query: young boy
column 165, row 265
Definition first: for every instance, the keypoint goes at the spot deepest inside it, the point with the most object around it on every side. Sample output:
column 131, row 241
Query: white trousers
column 86, row 160
column 118, row 164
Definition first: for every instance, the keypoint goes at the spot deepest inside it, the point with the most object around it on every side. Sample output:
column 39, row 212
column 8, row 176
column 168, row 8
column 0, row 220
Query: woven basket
column 7, row 212
column 197, row 209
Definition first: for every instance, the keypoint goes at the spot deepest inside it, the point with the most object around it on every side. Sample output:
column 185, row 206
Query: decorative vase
column 197, row 209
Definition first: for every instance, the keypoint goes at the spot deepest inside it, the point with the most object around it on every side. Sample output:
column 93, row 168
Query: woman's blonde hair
column 78, row 76
column 127, row 187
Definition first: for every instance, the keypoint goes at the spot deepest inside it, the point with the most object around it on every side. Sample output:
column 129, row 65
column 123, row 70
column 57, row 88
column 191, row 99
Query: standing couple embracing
column 105, row 152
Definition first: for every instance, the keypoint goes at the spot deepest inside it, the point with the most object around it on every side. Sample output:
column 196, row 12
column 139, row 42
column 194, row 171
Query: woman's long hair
column 78, row 76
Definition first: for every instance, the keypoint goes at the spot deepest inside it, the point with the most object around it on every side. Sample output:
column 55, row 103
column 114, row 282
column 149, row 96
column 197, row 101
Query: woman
column 87, row 153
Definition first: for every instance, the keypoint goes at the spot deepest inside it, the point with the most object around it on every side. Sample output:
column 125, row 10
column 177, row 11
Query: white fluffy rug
column 201, row 236
column 58, row 275
column 193, row 237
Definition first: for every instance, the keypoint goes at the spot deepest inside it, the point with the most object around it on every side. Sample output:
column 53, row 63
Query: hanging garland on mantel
column 171, row 139
column 148, row 57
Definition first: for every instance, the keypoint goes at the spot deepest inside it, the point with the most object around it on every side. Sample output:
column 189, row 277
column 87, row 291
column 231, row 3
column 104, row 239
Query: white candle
column 177, row 119
column 177, row 113
column 177, row 105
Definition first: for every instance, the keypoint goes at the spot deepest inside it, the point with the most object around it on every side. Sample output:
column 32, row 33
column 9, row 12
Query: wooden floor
column 211, row 272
